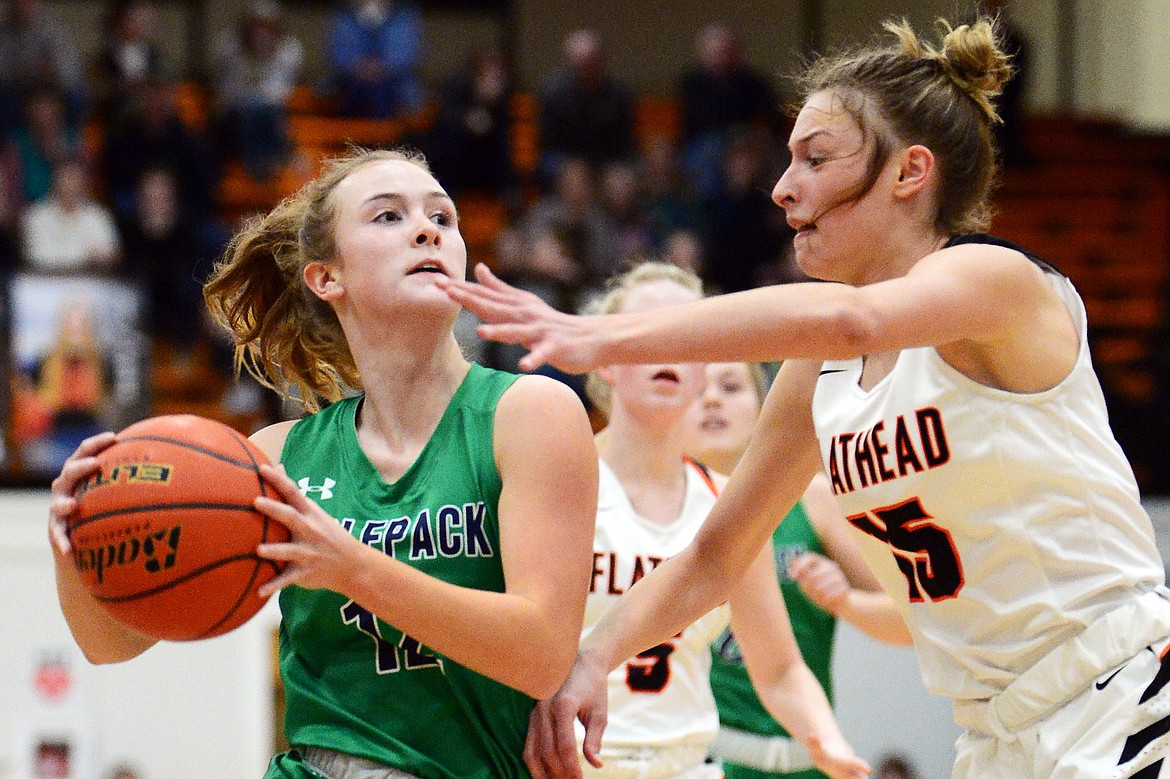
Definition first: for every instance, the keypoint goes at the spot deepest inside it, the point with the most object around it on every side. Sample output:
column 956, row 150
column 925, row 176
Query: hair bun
column 970, row 56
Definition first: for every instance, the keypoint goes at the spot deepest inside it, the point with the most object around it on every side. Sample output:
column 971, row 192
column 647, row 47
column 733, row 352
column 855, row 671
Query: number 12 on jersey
column 386, row 655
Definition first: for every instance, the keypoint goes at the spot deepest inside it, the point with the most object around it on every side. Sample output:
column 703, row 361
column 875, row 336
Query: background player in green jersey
column 441, row 519
column 822, row 577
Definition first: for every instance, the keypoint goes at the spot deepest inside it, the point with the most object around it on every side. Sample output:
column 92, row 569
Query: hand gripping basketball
column 164, row 533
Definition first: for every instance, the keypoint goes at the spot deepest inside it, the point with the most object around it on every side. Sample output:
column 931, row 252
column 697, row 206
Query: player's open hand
column 515, row 316
column 837, row 759
column 550, row 750
column 80, row 466
column 822, row 580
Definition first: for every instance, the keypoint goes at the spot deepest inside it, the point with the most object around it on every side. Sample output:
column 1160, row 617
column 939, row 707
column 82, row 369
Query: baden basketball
column 165, row 534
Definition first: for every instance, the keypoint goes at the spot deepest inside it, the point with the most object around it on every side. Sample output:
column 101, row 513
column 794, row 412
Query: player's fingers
column 288, row 576
column 537, row 742
column 507, row 332
column 75, row 469
column 59, row 536
column 285, row 487
column 287, row 515
column 594, row 724
column 562, row 752
column 94, row 444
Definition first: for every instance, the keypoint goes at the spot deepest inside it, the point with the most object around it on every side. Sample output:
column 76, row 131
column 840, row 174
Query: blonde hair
column 286, row 337
column 618, row 289
column 942, row 98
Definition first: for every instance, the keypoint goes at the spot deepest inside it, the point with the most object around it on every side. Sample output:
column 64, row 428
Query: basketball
column 165, row 533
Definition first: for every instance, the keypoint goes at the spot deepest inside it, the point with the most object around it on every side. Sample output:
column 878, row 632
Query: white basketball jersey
column 1001, row 523
column 662, row 697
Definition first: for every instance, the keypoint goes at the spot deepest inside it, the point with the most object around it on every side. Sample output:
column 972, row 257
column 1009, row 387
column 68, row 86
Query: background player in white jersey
column 822, row 576
column 651, row 501
column 945, row 385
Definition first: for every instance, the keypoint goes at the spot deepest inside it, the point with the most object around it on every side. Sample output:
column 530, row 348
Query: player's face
column 396, row 232
column 834, row 227
column 720, row 423
column 664, row 390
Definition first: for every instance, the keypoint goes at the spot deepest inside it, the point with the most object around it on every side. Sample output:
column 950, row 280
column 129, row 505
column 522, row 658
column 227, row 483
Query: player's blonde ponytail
column 285, row 336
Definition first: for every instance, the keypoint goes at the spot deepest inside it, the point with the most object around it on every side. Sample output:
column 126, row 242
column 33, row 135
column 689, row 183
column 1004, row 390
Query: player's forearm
column 508, row 637
column 874, row 614
column 807, row 320
column 659, row 606
column 102, row 639
column 797, row 701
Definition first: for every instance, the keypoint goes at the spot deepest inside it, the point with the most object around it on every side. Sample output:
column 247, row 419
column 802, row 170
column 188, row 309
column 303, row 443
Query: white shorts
column 676, row 762
column 1119, row 727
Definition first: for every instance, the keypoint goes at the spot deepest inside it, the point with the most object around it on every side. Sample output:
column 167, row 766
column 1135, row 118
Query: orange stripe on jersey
column 703, row 473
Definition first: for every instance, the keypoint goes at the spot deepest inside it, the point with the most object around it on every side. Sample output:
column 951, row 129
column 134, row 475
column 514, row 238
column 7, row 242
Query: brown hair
column 942, row 98
column 617, row 290
column 286, row 337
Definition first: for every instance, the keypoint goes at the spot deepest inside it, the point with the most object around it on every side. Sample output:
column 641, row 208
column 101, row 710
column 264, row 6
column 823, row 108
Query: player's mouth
column 667, row 376
column 428, row 266
column 713, row 424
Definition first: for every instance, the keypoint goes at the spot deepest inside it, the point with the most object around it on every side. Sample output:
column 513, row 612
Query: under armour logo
column 325, row 490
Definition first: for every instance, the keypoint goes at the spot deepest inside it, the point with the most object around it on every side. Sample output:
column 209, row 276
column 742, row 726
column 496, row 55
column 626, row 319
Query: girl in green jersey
column 441, row 518
column 822, row 577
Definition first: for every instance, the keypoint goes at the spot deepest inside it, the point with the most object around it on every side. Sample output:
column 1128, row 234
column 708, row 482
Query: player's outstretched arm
column 785, row 684
column 102, row 638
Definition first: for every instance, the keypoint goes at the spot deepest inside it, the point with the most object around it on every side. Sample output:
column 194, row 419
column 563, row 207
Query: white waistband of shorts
column 339, row 765
column 1070, row 667
column 646, row 762
column 773, row 754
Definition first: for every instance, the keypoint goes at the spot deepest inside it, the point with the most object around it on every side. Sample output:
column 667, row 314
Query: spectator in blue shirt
column 374, row 51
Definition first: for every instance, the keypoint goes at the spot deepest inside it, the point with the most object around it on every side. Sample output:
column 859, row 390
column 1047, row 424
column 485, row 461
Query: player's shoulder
column 271, row 439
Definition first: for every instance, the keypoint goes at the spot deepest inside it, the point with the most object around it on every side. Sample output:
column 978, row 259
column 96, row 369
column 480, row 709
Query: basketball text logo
column 142, row 473
column 324, row 490
column 155, row 551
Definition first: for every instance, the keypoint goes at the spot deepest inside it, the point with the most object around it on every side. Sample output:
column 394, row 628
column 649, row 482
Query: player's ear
column 323, row 280
column 915, row 166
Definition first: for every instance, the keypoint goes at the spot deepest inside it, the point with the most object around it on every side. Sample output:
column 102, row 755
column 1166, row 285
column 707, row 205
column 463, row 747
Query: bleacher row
column 1093, row 202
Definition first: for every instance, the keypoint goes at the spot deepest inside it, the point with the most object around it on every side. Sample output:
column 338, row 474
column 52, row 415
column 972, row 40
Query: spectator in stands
column 620, row 195
column 470, row 144
column 720, row 95
column 570, row 242
column 684, row 248
column 667, row 196
column 129, row 57
column 153, row 135
column 35, row 52
column 583, row 111
column 257, row 67
column 161, row 251
column 747, row 234
column 42, row 142
column 68, row 231
column 374, row 51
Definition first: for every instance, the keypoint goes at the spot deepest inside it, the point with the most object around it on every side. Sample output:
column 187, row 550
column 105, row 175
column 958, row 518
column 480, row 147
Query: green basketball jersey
column 358, row 685
column 739, row 706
